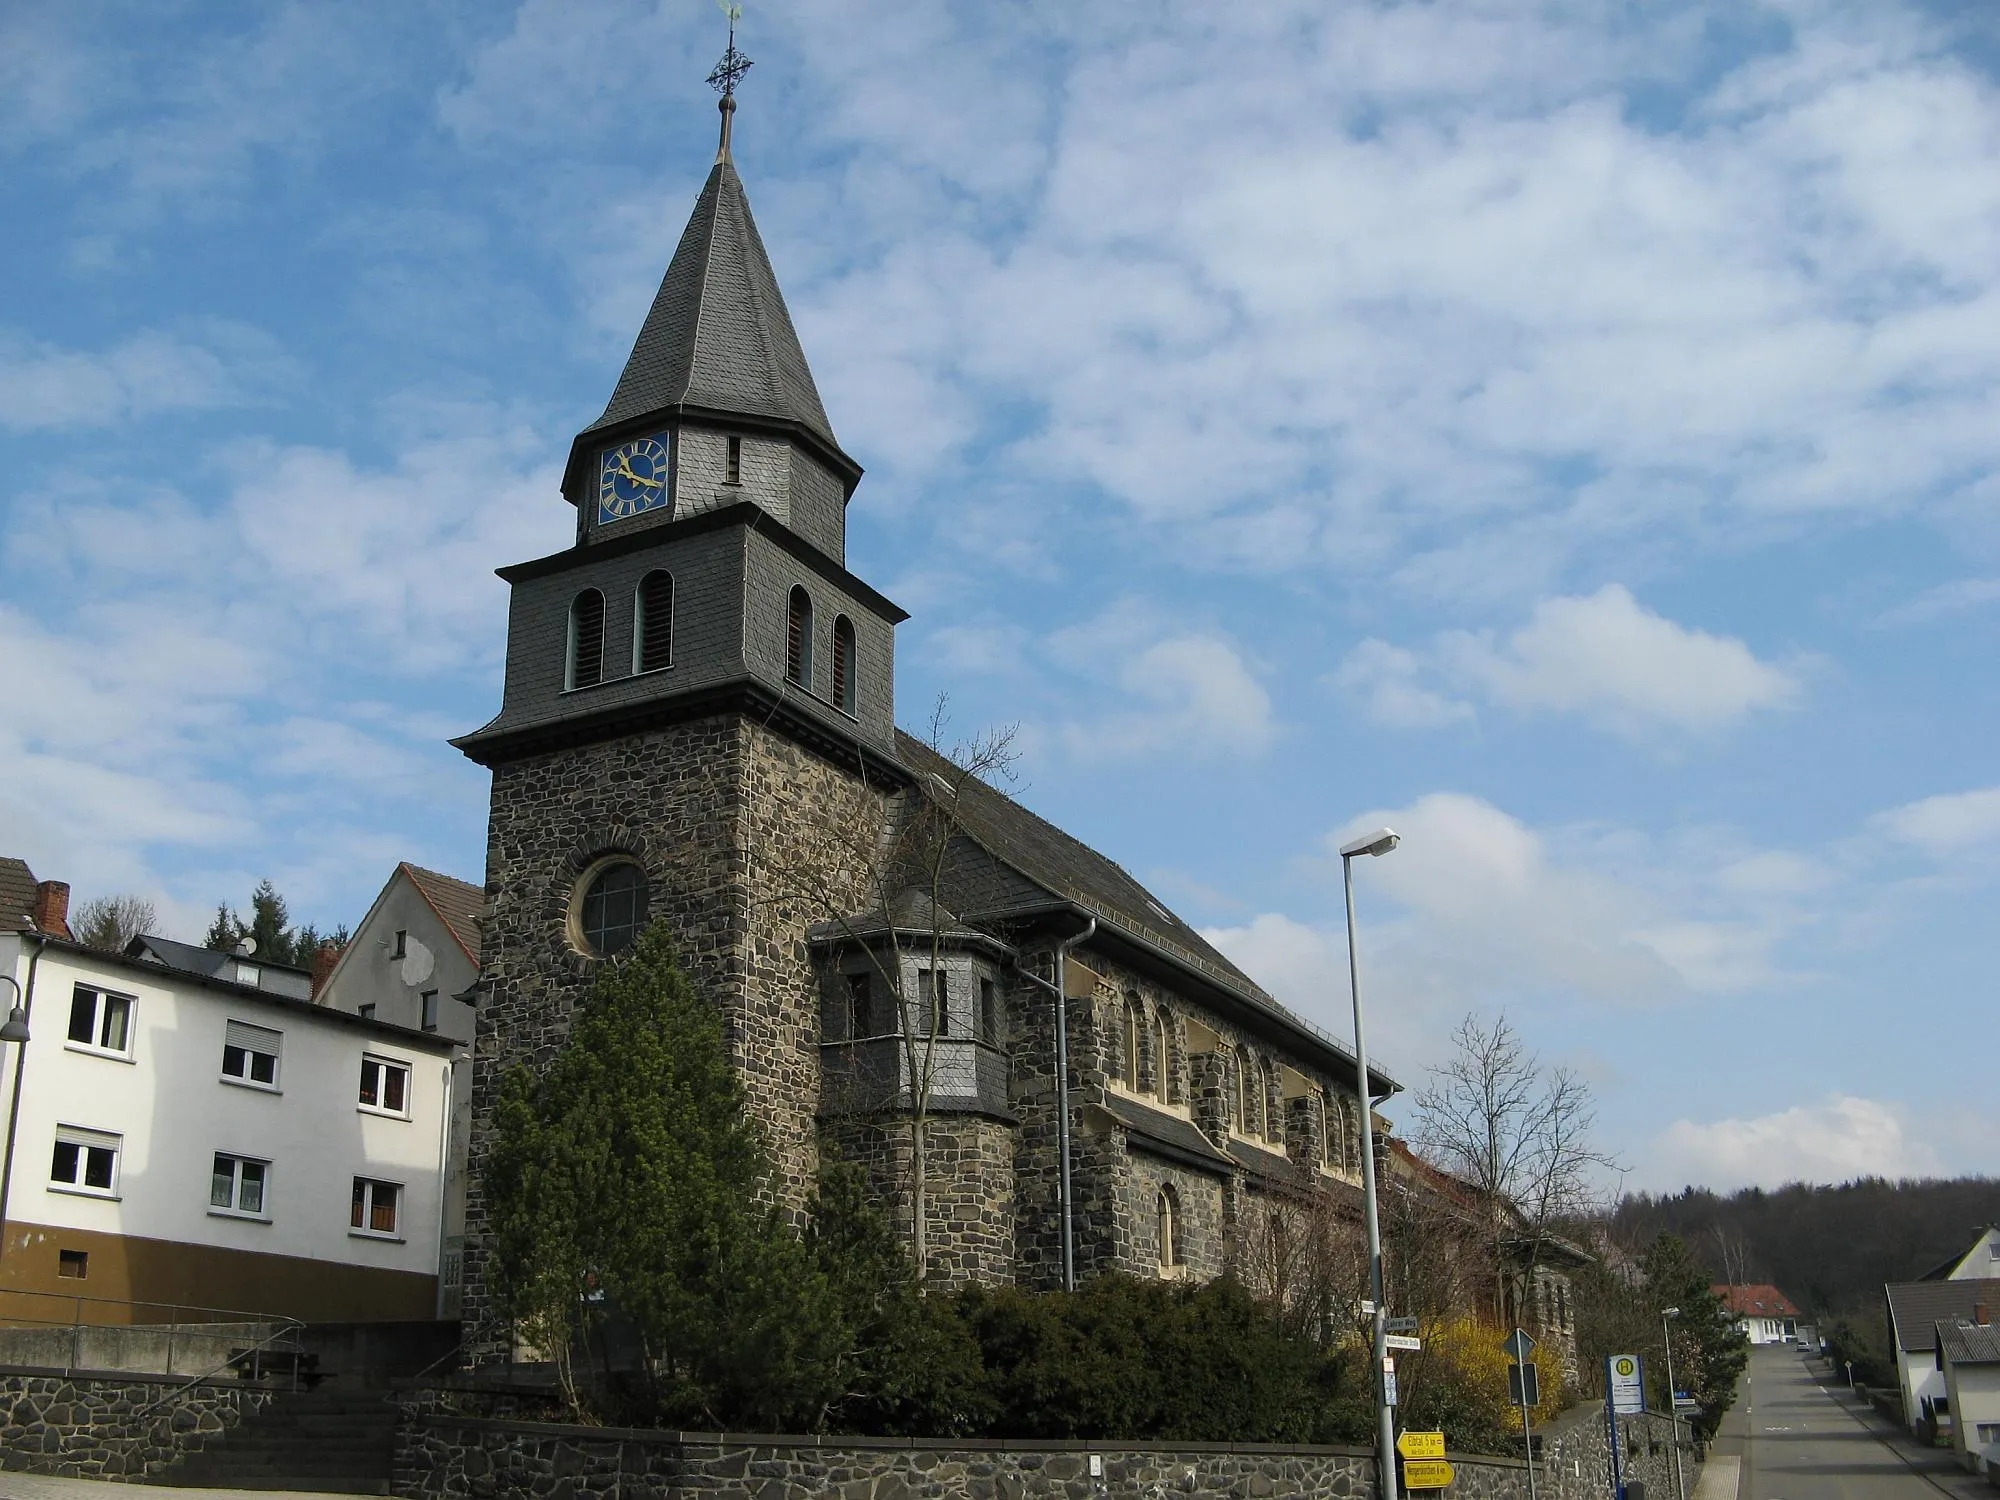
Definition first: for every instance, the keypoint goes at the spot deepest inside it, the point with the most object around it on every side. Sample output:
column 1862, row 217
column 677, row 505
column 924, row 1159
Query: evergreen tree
column 268, row 923
column 1709, row 1351
column 225, row 932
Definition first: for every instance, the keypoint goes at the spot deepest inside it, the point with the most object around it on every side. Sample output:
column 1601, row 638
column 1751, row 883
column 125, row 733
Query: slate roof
column 1969, row 1343
column 1072, row 871
column 911, row 911
column 186, row 958
column 1761, row 1301
column 17, row 895
column 1165, row 1134
column 718, row 334
column 1917, row 1307
column 458, row 905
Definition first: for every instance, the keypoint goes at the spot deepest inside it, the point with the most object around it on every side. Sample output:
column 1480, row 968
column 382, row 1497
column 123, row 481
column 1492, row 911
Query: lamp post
column 1673, row 1399
column 1381, row 841
column 15, row 1030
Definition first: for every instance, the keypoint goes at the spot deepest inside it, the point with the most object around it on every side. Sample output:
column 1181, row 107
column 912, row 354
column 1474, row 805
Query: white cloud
column 1188, row 690
column 48, row 388
column 1947, row 824
column 1603, row 657
column 1835, row 1141
column 1960, row 596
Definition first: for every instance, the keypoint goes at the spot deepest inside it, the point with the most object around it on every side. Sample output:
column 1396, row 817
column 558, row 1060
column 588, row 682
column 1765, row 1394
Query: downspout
column 1062, row 951
column 20, row 1067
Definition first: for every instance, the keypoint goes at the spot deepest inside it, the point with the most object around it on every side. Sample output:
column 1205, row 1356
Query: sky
column 1565, row 432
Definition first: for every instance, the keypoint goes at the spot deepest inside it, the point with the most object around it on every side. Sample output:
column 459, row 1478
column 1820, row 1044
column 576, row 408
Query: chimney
column 1981, row 1314
column 52, row 909
column 323, row 962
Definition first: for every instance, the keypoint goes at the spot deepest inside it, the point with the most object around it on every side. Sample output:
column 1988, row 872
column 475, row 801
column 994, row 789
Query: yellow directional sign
column 1426, row 1474
column 1421, row 1445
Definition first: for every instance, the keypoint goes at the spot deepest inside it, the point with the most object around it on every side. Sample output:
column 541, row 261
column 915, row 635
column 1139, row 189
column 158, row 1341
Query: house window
column 843, row 664
column 374, row 1206
column 402, row 948
column 1162, row 1060
column 586, row 641
column 73, row 1265
column 385, row 1085
column 989, row 1013
column 799, row 639
column 1135, row 1021
column 732, row 462
column 250, row 1054
column 249, row 974
column 100, row 1020
column 1989, row 1434
column 86, row 1161
column 934, row 996
column 236, row 1184
column 857, row 1005
column 614, row 909
column 367, row 1012
column 428, row 1012
column 1167, row 1230
column 653, row 622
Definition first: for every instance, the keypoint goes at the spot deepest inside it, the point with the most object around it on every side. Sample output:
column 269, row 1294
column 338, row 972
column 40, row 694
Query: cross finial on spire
column 726, row 76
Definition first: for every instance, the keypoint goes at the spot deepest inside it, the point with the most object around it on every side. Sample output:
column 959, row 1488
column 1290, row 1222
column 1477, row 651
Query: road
column 1799, row 1440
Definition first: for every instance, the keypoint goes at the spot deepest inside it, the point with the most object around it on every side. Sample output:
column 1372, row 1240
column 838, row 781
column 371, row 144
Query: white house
column 412, row 961
column 1968, row 1356
column 187, row 1130
column 1981, row 1262
column 1915, row 1310
column 1763, row 1314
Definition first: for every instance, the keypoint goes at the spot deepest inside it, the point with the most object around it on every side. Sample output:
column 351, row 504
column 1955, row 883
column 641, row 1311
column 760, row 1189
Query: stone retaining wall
column 83, row 1425
column 474, row 1444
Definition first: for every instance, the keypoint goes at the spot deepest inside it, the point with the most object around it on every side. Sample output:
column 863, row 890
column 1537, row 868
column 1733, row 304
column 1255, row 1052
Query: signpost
column 1388, row 1380
column 1399, row 1325
column 1624, row 1395
column 1426, row 1474
column 1524, row 1390
column 1401, row 1341
column 1421, row 1445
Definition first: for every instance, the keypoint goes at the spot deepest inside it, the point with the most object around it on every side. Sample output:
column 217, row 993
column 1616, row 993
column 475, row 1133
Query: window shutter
column 656, row 621
column 254, row 1038
column 586, row 639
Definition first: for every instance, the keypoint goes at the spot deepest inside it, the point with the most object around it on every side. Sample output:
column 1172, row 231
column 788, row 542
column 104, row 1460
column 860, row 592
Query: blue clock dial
column 632, row 479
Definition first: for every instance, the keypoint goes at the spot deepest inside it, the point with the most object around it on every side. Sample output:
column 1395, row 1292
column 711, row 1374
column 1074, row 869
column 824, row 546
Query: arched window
column 1336, row 1136
column 586, row 640
column 613, row 913
column 1135, row 1021
column 1162, row 1057
column 1242, row 1094
column 843, row 664
column 1355, row 1145
column 1168, row 1231
column 1269, row 1117
column 799, row 640
column 653, row 622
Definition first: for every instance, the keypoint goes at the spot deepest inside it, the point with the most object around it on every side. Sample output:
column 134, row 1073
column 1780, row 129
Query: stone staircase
column 327, row 1440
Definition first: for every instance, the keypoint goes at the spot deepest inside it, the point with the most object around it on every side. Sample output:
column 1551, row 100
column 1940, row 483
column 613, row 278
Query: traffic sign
column 1427, row 1474
column 1400, row 1325
column 1388, row 1387
column 1625, row 1378
column 1421, row 1444
column 1524, row 1385
column 1401, row 1341
column 1686, row 1403
column 1518, row 1347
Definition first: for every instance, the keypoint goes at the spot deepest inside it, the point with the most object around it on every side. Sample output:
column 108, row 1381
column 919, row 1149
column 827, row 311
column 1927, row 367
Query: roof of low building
column 459, row 905
column 910, row 911
column 1917, row 1307
column 17, row 895
column 1760, row 1301
column 1969, row 1343
column 275, row 979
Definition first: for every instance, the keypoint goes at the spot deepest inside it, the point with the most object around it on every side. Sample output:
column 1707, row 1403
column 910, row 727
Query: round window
column 613, row 913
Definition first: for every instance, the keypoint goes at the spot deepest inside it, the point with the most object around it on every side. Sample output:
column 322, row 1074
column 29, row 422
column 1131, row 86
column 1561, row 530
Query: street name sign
column 1401, row 1341
column 1625, row 1379
column 1426, row 1474
column 1421, row 1444
column 1399, row 1325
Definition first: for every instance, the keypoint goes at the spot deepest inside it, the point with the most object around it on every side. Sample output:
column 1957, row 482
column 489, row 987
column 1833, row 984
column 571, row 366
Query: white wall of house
column 1981, row 1261
column 1975, row 1412
column 165, row 1102
column 1922, row 1381
column 1768, row 1330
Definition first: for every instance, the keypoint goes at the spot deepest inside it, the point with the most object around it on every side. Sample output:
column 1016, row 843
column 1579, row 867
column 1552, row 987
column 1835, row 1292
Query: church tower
column 698, row 701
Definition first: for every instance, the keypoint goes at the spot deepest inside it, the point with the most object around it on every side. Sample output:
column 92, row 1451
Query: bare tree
column 903, row 865
column 1517, row 1134
column 110, row 922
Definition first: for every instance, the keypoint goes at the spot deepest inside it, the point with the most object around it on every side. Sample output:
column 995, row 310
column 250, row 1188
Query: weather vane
column 734, row 64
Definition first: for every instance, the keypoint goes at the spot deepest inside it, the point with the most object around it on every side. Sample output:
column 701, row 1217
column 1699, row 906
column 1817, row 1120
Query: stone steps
column 335, row 1442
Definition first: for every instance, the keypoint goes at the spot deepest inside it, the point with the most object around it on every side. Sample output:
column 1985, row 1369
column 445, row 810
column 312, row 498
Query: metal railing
column 84, row 1315
column 292, row 1328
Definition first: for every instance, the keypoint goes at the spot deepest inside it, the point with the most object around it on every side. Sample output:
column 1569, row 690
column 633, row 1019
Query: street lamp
column 1381, row 841
column 1673, row 1399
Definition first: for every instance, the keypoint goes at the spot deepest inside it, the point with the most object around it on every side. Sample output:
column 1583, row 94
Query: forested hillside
column 1828, row 1248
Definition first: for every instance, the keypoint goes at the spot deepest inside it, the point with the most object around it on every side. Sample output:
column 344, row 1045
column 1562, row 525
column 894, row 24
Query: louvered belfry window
column 843, row 663
column 653, row 629
column 586, row 639
column 798, row 639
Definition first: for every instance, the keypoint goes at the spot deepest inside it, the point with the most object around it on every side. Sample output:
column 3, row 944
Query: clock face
column 632, row 479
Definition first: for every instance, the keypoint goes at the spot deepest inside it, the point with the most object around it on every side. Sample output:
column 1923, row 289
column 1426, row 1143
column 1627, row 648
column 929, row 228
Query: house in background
column 187, row 1134
column 1979, row 1263
column 1915, row 1310
column 31, row 905
column 1968, row 1356
column 412, row 962
column 1763, row 1314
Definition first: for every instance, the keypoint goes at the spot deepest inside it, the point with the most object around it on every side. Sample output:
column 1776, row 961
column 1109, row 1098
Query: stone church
column 699, row 723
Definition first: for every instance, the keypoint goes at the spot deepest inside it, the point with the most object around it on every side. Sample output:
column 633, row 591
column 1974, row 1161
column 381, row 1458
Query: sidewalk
column 1938, row 1465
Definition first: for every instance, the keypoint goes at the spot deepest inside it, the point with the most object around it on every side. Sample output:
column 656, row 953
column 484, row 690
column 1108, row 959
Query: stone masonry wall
column 733, row 825
column 443, row 1453
column 970, row 1217
column 80, row 1426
